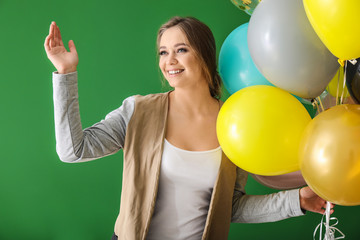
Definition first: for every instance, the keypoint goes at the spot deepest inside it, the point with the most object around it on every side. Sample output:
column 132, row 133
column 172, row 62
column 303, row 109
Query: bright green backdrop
column 43, row 198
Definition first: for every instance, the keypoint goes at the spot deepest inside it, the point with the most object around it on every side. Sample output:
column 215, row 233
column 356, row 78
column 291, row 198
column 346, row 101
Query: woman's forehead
column 173, row 36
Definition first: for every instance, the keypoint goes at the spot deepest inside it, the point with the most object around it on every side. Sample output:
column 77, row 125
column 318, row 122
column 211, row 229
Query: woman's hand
column 311, row 202
column 63, row 61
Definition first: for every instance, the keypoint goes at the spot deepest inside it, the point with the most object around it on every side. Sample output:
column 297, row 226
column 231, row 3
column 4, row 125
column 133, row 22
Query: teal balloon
column 236, row 66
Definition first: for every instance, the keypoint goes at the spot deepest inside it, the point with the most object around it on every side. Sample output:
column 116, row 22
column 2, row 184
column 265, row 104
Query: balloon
column 337, row 83
column 337, row 26
column 286, row 49
column 353, row 80
column 308, row 106
column 330, row 155
column 247, row 6
column 258, row 135
column 281, row 182
column 237, row 69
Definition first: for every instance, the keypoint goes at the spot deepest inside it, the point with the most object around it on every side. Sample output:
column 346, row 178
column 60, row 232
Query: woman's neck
column 195, row 101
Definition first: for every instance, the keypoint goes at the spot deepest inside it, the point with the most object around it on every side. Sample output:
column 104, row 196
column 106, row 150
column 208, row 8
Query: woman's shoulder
column 132, row 102
column 151, row 99
column 150, row 103
column 151, row 96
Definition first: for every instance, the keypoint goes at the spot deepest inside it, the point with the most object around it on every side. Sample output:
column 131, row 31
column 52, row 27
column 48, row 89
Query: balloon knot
column 341, row 62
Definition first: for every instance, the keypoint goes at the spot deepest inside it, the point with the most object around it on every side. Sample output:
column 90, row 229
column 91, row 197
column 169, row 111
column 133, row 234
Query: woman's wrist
column 302, row 200
column 66, row 70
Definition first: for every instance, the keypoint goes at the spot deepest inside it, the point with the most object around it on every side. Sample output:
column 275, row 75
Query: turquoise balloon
column 236, row 66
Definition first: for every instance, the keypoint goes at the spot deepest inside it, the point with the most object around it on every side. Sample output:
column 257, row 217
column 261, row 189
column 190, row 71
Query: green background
column 43, row 198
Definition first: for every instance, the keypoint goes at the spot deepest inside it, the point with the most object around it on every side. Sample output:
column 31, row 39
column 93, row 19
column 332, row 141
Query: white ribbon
column 330, row 230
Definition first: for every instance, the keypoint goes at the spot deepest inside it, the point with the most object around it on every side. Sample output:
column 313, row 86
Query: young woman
column 177, row 183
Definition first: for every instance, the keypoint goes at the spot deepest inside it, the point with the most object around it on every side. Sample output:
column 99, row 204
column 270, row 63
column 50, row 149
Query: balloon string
column 337, row 88
column 327, row 225
column 315, row 102
column 343, row 87
column 318, row 101
column 315, row 105
column 330, row 230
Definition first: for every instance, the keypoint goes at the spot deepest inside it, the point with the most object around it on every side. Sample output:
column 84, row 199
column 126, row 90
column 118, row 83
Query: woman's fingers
column 52, row 35
column 56, row 35
column 54, row 38
column 46, row 44
column 51, row 25
column 59, row 36
column 49, row 38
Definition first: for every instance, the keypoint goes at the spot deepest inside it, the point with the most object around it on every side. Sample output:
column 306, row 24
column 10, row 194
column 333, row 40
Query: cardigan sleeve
column 263, row 208
column 74, row 144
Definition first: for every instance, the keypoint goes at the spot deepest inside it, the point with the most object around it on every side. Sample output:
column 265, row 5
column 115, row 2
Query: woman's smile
column 173, row 73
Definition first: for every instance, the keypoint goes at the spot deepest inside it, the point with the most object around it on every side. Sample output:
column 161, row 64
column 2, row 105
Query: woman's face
column 178, row 61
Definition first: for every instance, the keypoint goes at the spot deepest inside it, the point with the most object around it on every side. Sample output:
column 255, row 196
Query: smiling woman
column 177, row 182
column 199, row 37
column 178, row 61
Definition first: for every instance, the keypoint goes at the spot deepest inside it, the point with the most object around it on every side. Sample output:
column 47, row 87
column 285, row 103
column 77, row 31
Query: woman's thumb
column 72, row 46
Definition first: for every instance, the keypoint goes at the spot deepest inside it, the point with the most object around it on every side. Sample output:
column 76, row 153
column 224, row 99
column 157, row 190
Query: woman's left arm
column 273, row 207
column 266, row 208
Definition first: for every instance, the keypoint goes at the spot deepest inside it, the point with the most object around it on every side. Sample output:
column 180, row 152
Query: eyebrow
column 176, row 45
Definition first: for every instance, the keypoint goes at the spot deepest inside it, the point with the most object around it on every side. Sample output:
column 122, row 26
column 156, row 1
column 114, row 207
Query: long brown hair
column 202, row 41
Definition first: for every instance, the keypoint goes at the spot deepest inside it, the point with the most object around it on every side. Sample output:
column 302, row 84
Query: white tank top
column 186, row 182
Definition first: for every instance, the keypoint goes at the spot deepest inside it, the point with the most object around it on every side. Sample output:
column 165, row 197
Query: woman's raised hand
column 63, row 61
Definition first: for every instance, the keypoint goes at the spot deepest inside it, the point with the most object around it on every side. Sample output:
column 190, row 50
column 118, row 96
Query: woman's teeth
column 175, row 71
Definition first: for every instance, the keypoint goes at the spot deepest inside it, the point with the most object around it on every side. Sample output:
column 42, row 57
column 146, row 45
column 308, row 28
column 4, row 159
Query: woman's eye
column 162, row 53
column 182, row 50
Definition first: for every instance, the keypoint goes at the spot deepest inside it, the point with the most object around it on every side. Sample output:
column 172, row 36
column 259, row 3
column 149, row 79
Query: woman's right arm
column 73, row 144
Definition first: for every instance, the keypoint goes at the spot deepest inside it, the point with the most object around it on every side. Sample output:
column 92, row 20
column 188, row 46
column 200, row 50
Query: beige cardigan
column 142, row 156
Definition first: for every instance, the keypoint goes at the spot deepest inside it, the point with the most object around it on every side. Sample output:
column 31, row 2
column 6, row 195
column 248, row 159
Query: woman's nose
column 172, row 59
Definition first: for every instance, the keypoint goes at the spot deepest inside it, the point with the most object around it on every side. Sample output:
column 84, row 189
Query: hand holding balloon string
column 310, row 201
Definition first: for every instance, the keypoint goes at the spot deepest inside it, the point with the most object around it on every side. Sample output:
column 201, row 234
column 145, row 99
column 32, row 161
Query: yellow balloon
column 336, row 24
column 330, row 155
column 259, row 128
column 338, row 82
